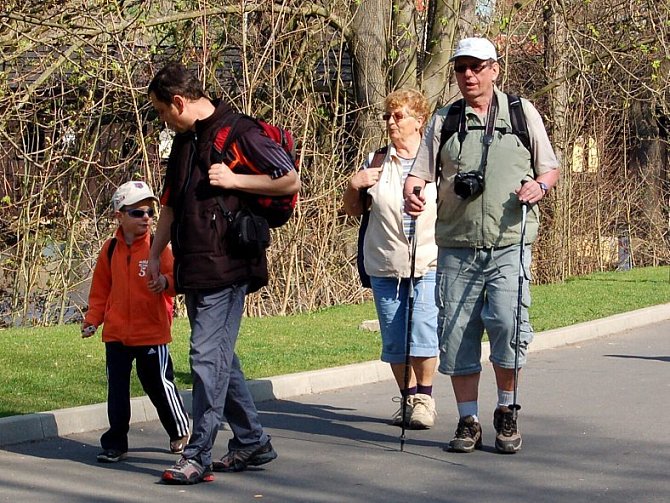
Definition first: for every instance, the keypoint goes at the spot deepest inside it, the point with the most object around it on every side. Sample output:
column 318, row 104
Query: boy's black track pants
column 156, row 374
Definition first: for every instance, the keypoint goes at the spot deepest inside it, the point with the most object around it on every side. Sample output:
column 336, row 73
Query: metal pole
column 517, row 335
column 408, row 332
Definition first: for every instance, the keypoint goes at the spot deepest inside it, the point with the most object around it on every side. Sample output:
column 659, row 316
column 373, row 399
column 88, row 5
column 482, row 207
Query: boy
column 137, row 315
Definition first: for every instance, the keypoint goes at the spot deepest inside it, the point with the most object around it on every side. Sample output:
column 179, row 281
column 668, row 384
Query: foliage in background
column 50, row 368
column 75, row 123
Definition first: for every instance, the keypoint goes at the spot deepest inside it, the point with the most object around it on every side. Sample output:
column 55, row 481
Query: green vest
column 493, row 218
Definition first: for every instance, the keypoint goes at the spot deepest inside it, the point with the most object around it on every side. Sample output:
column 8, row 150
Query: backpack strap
column 378, row 157
column 376, row 162
column 453, row 123
column 217, row 154
column 110, row 250
column 518, row 119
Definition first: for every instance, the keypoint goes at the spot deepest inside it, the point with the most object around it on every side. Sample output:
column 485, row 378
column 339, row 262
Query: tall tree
column 370, row 23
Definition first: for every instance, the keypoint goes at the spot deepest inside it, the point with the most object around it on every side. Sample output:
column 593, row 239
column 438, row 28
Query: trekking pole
column 517, row 332
column 408, row 332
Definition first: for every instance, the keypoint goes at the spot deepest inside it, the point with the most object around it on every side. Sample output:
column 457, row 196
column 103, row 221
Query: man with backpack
column 492, row 159
column 200, row 202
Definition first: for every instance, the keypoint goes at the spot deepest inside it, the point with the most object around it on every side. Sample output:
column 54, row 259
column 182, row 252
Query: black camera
column 469, row 184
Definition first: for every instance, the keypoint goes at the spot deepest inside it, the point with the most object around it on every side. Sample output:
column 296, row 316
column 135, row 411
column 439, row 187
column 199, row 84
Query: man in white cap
column 491, row 155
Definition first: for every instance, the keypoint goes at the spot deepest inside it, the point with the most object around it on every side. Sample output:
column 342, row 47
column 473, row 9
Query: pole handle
column 525, row 204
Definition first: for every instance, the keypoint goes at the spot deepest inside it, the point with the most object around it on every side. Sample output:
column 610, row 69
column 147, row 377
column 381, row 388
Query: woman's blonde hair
column 413, row 99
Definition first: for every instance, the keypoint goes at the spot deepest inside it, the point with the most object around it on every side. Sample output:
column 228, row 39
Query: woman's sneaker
column 187, row 471
column 240, row 459
column 111, row 456
column 423, row 412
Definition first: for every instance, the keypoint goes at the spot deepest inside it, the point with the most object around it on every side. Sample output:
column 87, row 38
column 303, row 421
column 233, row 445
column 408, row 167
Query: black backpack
column 377, row 162
column 456, row 114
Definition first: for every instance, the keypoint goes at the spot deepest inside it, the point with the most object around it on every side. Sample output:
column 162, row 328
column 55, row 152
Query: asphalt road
column 595, row 424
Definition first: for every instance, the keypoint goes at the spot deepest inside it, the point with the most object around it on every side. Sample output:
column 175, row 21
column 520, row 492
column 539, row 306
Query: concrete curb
column 43, row 425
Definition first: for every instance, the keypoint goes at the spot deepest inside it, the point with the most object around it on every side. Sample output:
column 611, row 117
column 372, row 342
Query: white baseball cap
column 131, row 193
column 475, row 47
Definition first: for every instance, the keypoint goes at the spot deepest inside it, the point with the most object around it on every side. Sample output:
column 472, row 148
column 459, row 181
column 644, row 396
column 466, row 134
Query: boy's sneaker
column 423, row 412
column 177, row 446
column 238, row 460
column 111, row 456
column 396, row 419
column 468, row 436
column 508, row 438
column 187, row 471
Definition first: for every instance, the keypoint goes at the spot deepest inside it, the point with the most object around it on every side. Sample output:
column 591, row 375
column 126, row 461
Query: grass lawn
column 50, row 368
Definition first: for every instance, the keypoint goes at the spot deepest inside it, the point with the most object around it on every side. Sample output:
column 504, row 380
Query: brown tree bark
column 556, row 66
column 405, row 33
column 449, row 21
column 369, row 26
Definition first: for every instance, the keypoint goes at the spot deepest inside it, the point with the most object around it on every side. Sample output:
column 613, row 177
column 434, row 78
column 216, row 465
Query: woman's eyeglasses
column 474, row 67
column 397, row 116
column 137, row 213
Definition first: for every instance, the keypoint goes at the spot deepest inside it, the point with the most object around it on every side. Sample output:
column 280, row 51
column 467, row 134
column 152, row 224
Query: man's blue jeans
column 219, row 386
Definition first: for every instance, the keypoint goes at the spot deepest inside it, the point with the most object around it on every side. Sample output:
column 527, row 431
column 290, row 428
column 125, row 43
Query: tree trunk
column 370, row 20
column 556, row 66
column 647, row 162
column 406, row 36
column 449, row 20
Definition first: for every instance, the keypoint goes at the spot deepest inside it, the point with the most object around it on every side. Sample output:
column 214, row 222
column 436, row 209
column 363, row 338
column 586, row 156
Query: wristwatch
column 544, row 188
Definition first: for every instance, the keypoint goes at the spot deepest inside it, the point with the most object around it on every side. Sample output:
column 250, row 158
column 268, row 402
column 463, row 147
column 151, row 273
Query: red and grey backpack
column 275, row 209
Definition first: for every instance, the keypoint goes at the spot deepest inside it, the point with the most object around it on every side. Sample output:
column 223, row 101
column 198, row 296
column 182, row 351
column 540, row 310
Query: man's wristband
column 544, row 187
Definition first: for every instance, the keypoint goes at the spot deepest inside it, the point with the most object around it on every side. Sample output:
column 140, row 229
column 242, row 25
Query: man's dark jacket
column 201, row 252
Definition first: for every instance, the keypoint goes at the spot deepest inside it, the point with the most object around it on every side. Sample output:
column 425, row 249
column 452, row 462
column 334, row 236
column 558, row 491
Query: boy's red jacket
column 121, row 300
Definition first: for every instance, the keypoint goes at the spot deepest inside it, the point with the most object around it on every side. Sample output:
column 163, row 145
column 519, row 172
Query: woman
column 387, row 256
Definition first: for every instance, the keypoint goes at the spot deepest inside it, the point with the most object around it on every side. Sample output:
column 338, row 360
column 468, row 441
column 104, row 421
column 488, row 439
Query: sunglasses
column 397, row 116
column 474, row 67
column 137, row 213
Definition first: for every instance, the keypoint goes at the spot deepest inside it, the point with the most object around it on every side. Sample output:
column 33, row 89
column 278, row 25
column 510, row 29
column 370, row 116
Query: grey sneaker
column 423, row 413
column 396, row 419
column 111, row 456
column 508, row 438
column 238, row 460
column 468, row 436
column 187, row 471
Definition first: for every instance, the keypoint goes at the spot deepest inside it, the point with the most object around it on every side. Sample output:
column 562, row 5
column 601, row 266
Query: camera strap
column 487, row 139
column 491, row 117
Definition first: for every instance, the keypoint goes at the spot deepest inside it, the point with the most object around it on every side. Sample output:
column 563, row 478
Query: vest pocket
column 202, row 229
